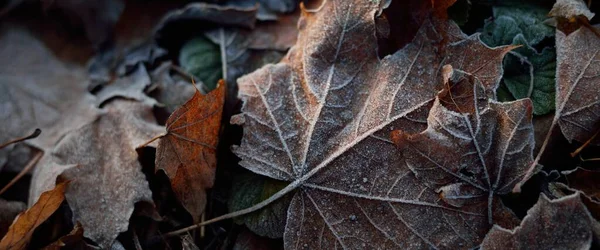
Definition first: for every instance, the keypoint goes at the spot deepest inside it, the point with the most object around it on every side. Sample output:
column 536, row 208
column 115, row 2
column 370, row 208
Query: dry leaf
column 187, row 153
column 37, row 90
column 107, row 181
column 570, row 9
column 321, row 119
column 20, row 231
column 131, row 86
column 471, row 157
column 169, row 91
column 585, row 181
column 563, row 223
column 578, row 83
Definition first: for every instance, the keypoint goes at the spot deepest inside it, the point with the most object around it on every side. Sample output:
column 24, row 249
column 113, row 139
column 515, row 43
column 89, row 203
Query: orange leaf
column 187, row 153
column 20, row 231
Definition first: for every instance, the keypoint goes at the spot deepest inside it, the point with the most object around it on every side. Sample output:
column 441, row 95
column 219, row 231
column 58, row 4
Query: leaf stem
column 35, row 134
column 25, row 170
column 292, row 186
column 152, row 140
column 578, row 150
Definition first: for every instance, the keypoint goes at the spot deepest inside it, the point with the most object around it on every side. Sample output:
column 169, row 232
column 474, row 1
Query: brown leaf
column 107, row 181
column 187, row 153
column 585, row 181
column 578, row 83
column 321, row 120
column 20, row 231
column 563, row 223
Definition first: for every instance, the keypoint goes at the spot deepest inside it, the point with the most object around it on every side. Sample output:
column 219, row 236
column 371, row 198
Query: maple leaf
column 473, row 156
column 563, row 223
column 20, row 232
column 50, row 94
column 101, row 161
column 10, row 210
column 187, row 153
column 577, row 90
column 321, row 119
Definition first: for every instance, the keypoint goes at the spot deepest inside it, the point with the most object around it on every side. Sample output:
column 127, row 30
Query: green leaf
column 202, row 58
column 527, row 72
column 531, row 74
column 249, row 189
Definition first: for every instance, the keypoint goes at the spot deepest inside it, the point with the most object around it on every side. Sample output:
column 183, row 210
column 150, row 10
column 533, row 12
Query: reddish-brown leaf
column 19, row 233
column 187, row 153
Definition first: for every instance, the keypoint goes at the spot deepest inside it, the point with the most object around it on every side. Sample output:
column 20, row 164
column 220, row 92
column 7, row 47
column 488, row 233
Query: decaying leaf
column 187, row 153
column 585, row 181
column 19, row 233
column 321, row 120
column 107, row 180
column 578, row 83
column 563, row 223
column 130, row 87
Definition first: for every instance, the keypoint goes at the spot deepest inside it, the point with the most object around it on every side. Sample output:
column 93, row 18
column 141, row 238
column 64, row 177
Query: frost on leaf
column 564, row 223
column 321, row 119
column 471, row 155
column 578, row 83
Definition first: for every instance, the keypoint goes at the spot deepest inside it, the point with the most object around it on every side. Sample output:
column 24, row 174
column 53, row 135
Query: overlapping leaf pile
column 384, row 125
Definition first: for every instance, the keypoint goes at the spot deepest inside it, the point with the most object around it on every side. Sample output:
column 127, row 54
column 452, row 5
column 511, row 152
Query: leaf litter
column 384, row 125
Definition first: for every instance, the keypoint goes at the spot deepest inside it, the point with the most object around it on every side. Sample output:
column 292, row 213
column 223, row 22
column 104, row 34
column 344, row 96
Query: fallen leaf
column 570, row 9
column 107, row 180
column 131, row 87
column 187, row 152
column 169, row 91
column 238, row 59
column 321, row 119
column 578, row 83
column 19, row 233
column 585, row 181
column 482, row 152
column 10, row 210
column 563, row 223
column 37, row 90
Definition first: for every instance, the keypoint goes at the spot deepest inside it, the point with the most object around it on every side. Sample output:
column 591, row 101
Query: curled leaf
column 19, row 233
